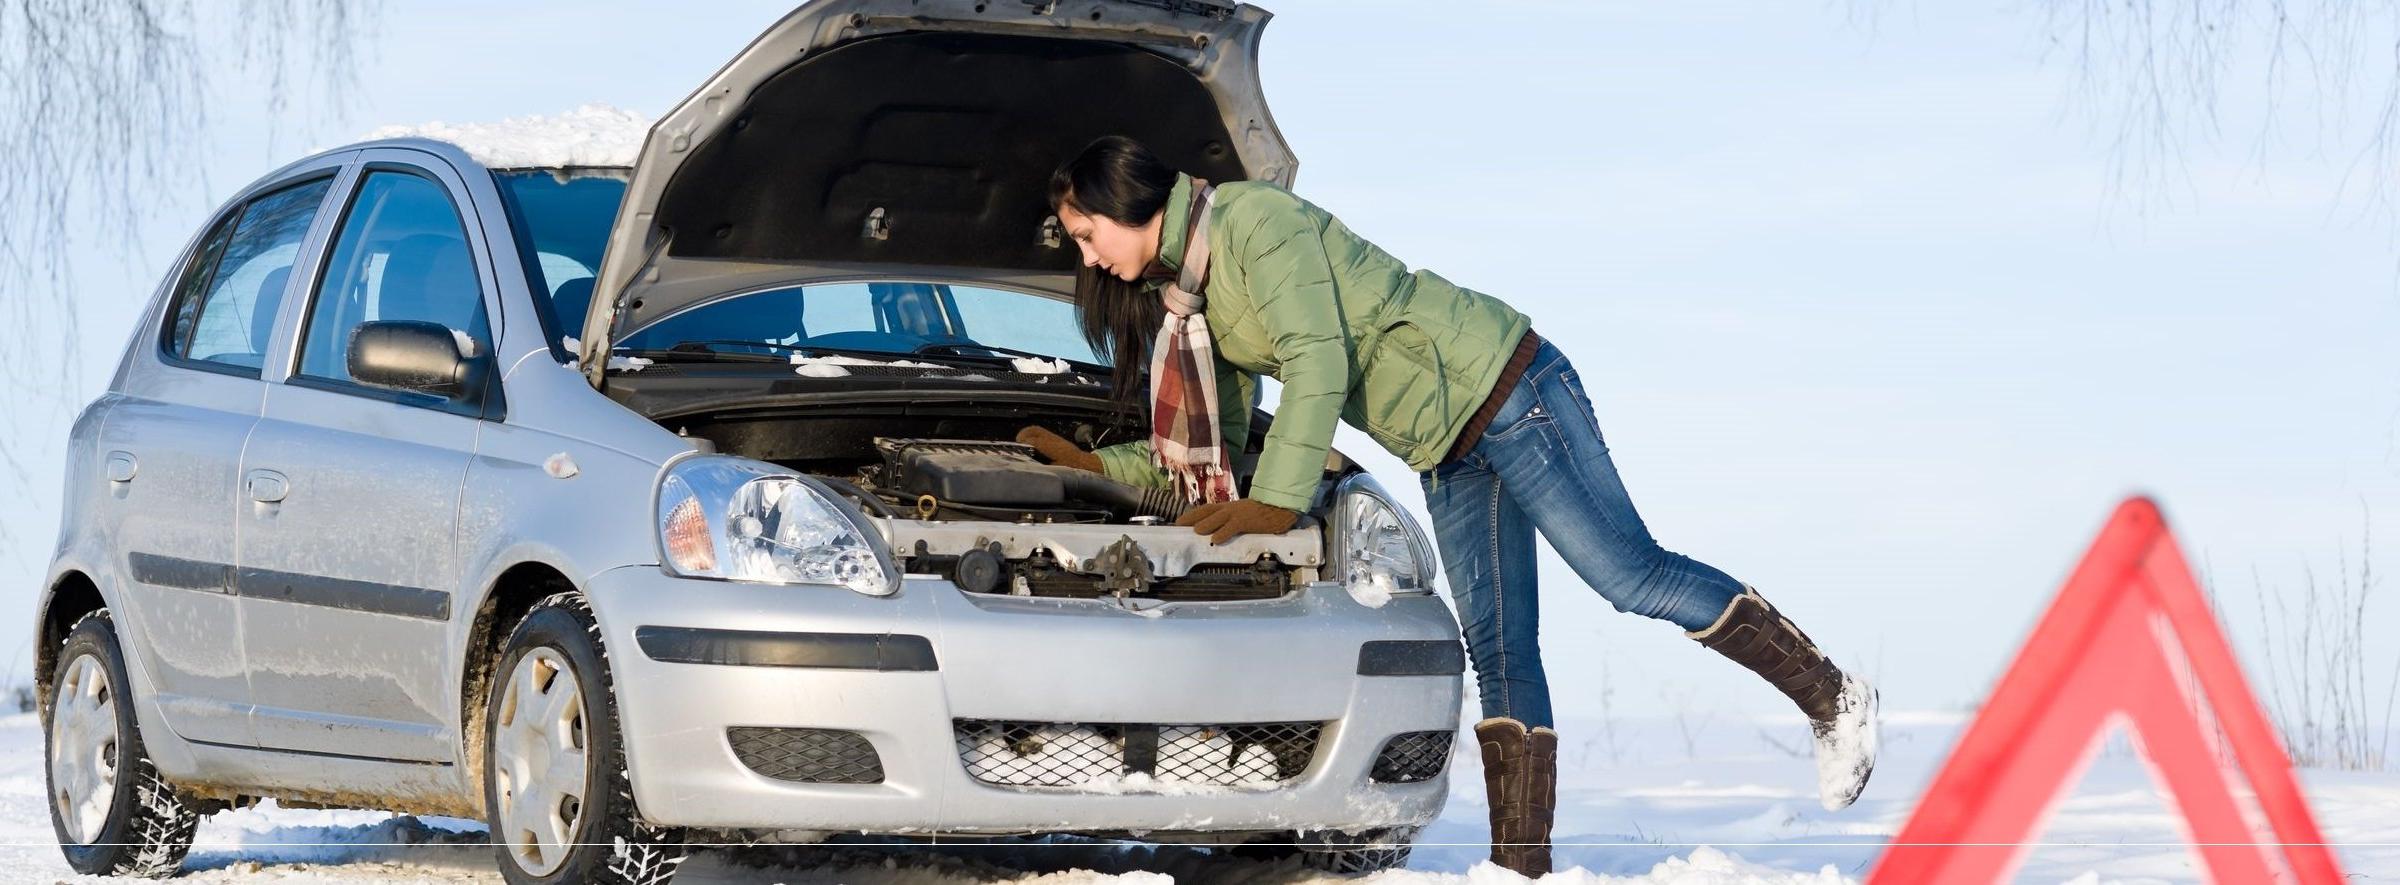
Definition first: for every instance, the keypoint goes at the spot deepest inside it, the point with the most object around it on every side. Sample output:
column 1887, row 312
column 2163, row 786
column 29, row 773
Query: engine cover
column 971, row 472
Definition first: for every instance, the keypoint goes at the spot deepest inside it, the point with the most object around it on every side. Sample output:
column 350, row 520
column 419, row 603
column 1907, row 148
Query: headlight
column 1377, row 549
column 742, row 520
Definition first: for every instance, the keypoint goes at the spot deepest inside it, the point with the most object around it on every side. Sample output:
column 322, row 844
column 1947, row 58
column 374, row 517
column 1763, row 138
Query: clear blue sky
column 1865, row 317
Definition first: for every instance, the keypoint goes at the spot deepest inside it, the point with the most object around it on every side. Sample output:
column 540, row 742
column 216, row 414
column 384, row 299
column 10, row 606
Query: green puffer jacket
column 1351, row 333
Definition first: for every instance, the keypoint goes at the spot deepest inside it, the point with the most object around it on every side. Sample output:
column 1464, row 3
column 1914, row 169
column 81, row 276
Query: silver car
column 611, row 504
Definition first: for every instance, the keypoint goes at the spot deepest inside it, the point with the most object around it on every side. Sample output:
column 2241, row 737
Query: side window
column 224, row 309
column 402, row 254
column 183, row 313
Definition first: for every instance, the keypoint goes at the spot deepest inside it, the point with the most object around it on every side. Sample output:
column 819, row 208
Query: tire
column 92, row 754
column 1358, row 861
column 1339, row 854
column 535, row 730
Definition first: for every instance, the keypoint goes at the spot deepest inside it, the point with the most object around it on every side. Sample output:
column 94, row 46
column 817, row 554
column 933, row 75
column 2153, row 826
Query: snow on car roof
column 592, row 135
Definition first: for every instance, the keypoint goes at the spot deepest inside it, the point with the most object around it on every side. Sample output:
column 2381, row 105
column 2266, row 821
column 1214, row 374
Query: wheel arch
column 515, row 592
column 70, row 597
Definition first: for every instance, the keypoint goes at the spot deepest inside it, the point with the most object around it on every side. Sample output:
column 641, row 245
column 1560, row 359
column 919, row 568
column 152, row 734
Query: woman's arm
column 1237, row 395
column 1291, row 283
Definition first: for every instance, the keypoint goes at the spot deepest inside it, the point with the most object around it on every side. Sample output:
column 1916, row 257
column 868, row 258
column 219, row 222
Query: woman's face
column 1111, row 246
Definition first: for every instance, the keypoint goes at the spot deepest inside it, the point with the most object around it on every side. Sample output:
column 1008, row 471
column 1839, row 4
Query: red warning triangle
column 2129, row 641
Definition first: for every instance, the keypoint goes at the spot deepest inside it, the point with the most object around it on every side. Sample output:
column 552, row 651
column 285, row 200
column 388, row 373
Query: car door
column 172, row 445
column 348, row 561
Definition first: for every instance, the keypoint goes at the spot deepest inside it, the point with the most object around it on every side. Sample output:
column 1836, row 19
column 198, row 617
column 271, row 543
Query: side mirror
column 415, row 356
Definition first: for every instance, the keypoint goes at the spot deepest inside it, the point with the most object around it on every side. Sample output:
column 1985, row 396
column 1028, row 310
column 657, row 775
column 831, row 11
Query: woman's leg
column 1487, row 550
column 1547, row 451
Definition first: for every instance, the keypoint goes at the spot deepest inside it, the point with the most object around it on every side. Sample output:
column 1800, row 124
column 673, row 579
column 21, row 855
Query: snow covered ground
column 1640, row 803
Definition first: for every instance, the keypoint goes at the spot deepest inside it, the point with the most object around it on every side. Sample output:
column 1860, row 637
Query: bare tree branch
column 103, row 102
column 2156, row 77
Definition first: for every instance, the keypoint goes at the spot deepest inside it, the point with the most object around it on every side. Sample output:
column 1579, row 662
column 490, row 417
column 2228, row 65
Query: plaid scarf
column 1183, row 377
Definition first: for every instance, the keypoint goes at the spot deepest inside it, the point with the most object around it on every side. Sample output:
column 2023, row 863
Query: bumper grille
column 1413, row 757
column 1050, row 754
column 1204, row 583
column 807, row 755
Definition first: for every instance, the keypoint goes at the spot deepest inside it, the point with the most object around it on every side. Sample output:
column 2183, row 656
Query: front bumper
column 1018, row 659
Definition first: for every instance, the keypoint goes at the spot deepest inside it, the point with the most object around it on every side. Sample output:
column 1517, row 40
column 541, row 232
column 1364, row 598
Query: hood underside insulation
column 931, row 148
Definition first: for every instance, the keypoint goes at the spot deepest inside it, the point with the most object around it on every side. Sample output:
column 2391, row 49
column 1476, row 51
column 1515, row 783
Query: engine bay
column 957, row 498
column 1072, row 531
column 1005, row 481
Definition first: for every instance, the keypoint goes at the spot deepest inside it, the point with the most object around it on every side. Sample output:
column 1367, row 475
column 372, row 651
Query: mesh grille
column 807, row 755
column 1413, row 757
column 1047, row 754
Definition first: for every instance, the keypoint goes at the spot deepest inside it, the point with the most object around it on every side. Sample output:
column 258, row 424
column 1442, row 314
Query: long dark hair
column 1118, row 179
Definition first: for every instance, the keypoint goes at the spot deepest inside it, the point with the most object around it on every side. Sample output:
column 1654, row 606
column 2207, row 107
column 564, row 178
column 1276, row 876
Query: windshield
column 562, row 219
column 896, row 317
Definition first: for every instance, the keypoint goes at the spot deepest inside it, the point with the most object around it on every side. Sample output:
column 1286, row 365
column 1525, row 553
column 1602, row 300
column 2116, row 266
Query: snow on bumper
column 1004, row 658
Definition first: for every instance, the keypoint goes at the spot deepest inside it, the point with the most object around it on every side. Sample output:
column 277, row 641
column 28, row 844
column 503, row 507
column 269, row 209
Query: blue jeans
column 1541, row 464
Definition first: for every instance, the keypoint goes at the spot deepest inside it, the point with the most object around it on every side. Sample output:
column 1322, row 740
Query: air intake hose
column 1084, row 485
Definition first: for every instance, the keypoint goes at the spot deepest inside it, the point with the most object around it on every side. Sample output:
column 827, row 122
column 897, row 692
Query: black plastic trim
column 317, row 590
column 1412, row 657
column 250, row 373
column 182, row 574
column 358, row 596
column 437, row 763
column 884, row 652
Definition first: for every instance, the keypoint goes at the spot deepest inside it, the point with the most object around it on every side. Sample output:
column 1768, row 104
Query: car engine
column 976, row 479
column 1067, row 531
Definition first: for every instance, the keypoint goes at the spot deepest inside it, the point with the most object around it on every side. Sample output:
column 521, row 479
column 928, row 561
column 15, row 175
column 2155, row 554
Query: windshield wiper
column 944, row 346
column 719, row 345
column 695, row 356
column 711, row 348
column 726, row 350
column 718, row 351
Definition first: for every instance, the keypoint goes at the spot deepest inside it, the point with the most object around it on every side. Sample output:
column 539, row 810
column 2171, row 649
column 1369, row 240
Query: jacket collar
column 1176, row 218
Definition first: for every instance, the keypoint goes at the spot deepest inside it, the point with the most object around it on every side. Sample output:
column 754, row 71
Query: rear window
column 226, row 302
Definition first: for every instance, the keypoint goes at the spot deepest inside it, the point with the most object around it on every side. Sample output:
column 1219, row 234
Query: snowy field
column 1639, row 803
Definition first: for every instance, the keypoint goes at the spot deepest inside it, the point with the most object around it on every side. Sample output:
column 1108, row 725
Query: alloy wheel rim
column 83, row 749
column 539, row 753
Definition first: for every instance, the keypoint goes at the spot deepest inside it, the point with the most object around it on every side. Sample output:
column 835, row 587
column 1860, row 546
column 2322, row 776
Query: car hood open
column 858, row 137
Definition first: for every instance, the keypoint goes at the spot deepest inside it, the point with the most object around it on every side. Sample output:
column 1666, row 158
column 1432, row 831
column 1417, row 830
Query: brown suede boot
column 1520, row 775
column 1840, row 707
column 1753, row 634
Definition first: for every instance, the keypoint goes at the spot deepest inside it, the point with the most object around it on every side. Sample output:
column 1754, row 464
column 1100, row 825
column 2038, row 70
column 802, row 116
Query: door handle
column 267, row 486
column 121, row 466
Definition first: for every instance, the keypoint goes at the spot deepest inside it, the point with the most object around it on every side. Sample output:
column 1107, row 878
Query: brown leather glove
column 1058, row 449
column 1226, row 520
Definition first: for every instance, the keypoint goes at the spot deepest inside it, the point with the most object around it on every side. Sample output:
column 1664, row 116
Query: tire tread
column 637, row 853
column 155, row 819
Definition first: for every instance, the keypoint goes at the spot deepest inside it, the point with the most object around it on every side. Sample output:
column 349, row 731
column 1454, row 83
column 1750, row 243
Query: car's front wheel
column 1386, row 853
column 555, row 789
column 113, row 814
column 1337, row 853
